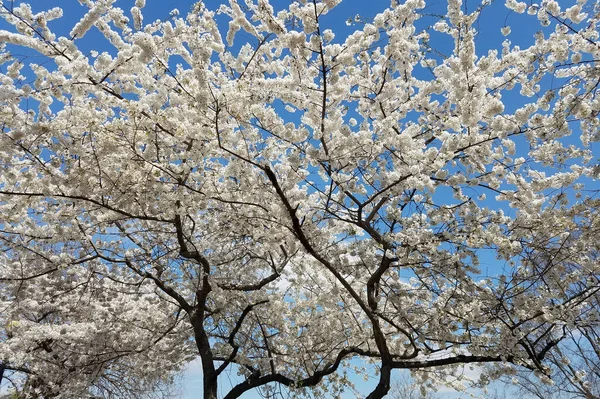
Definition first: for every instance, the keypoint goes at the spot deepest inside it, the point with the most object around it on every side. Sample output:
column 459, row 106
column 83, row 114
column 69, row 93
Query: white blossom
column 298, row 201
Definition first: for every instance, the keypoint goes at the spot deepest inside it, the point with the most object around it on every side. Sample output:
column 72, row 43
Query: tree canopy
column 242, row 185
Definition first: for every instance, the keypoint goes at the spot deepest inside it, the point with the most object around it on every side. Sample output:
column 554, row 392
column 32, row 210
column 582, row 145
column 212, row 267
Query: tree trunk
column 383, row 387
column 210, row 385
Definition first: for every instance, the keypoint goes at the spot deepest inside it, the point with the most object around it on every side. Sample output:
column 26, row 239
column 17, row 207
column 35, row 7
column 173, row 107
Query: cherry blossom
column 278, row 198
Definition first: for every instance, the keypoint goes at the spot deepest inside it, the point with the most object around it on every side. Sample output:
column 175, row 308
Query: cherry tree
column 244, row 186
column 574, row 365
column 574, row 370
